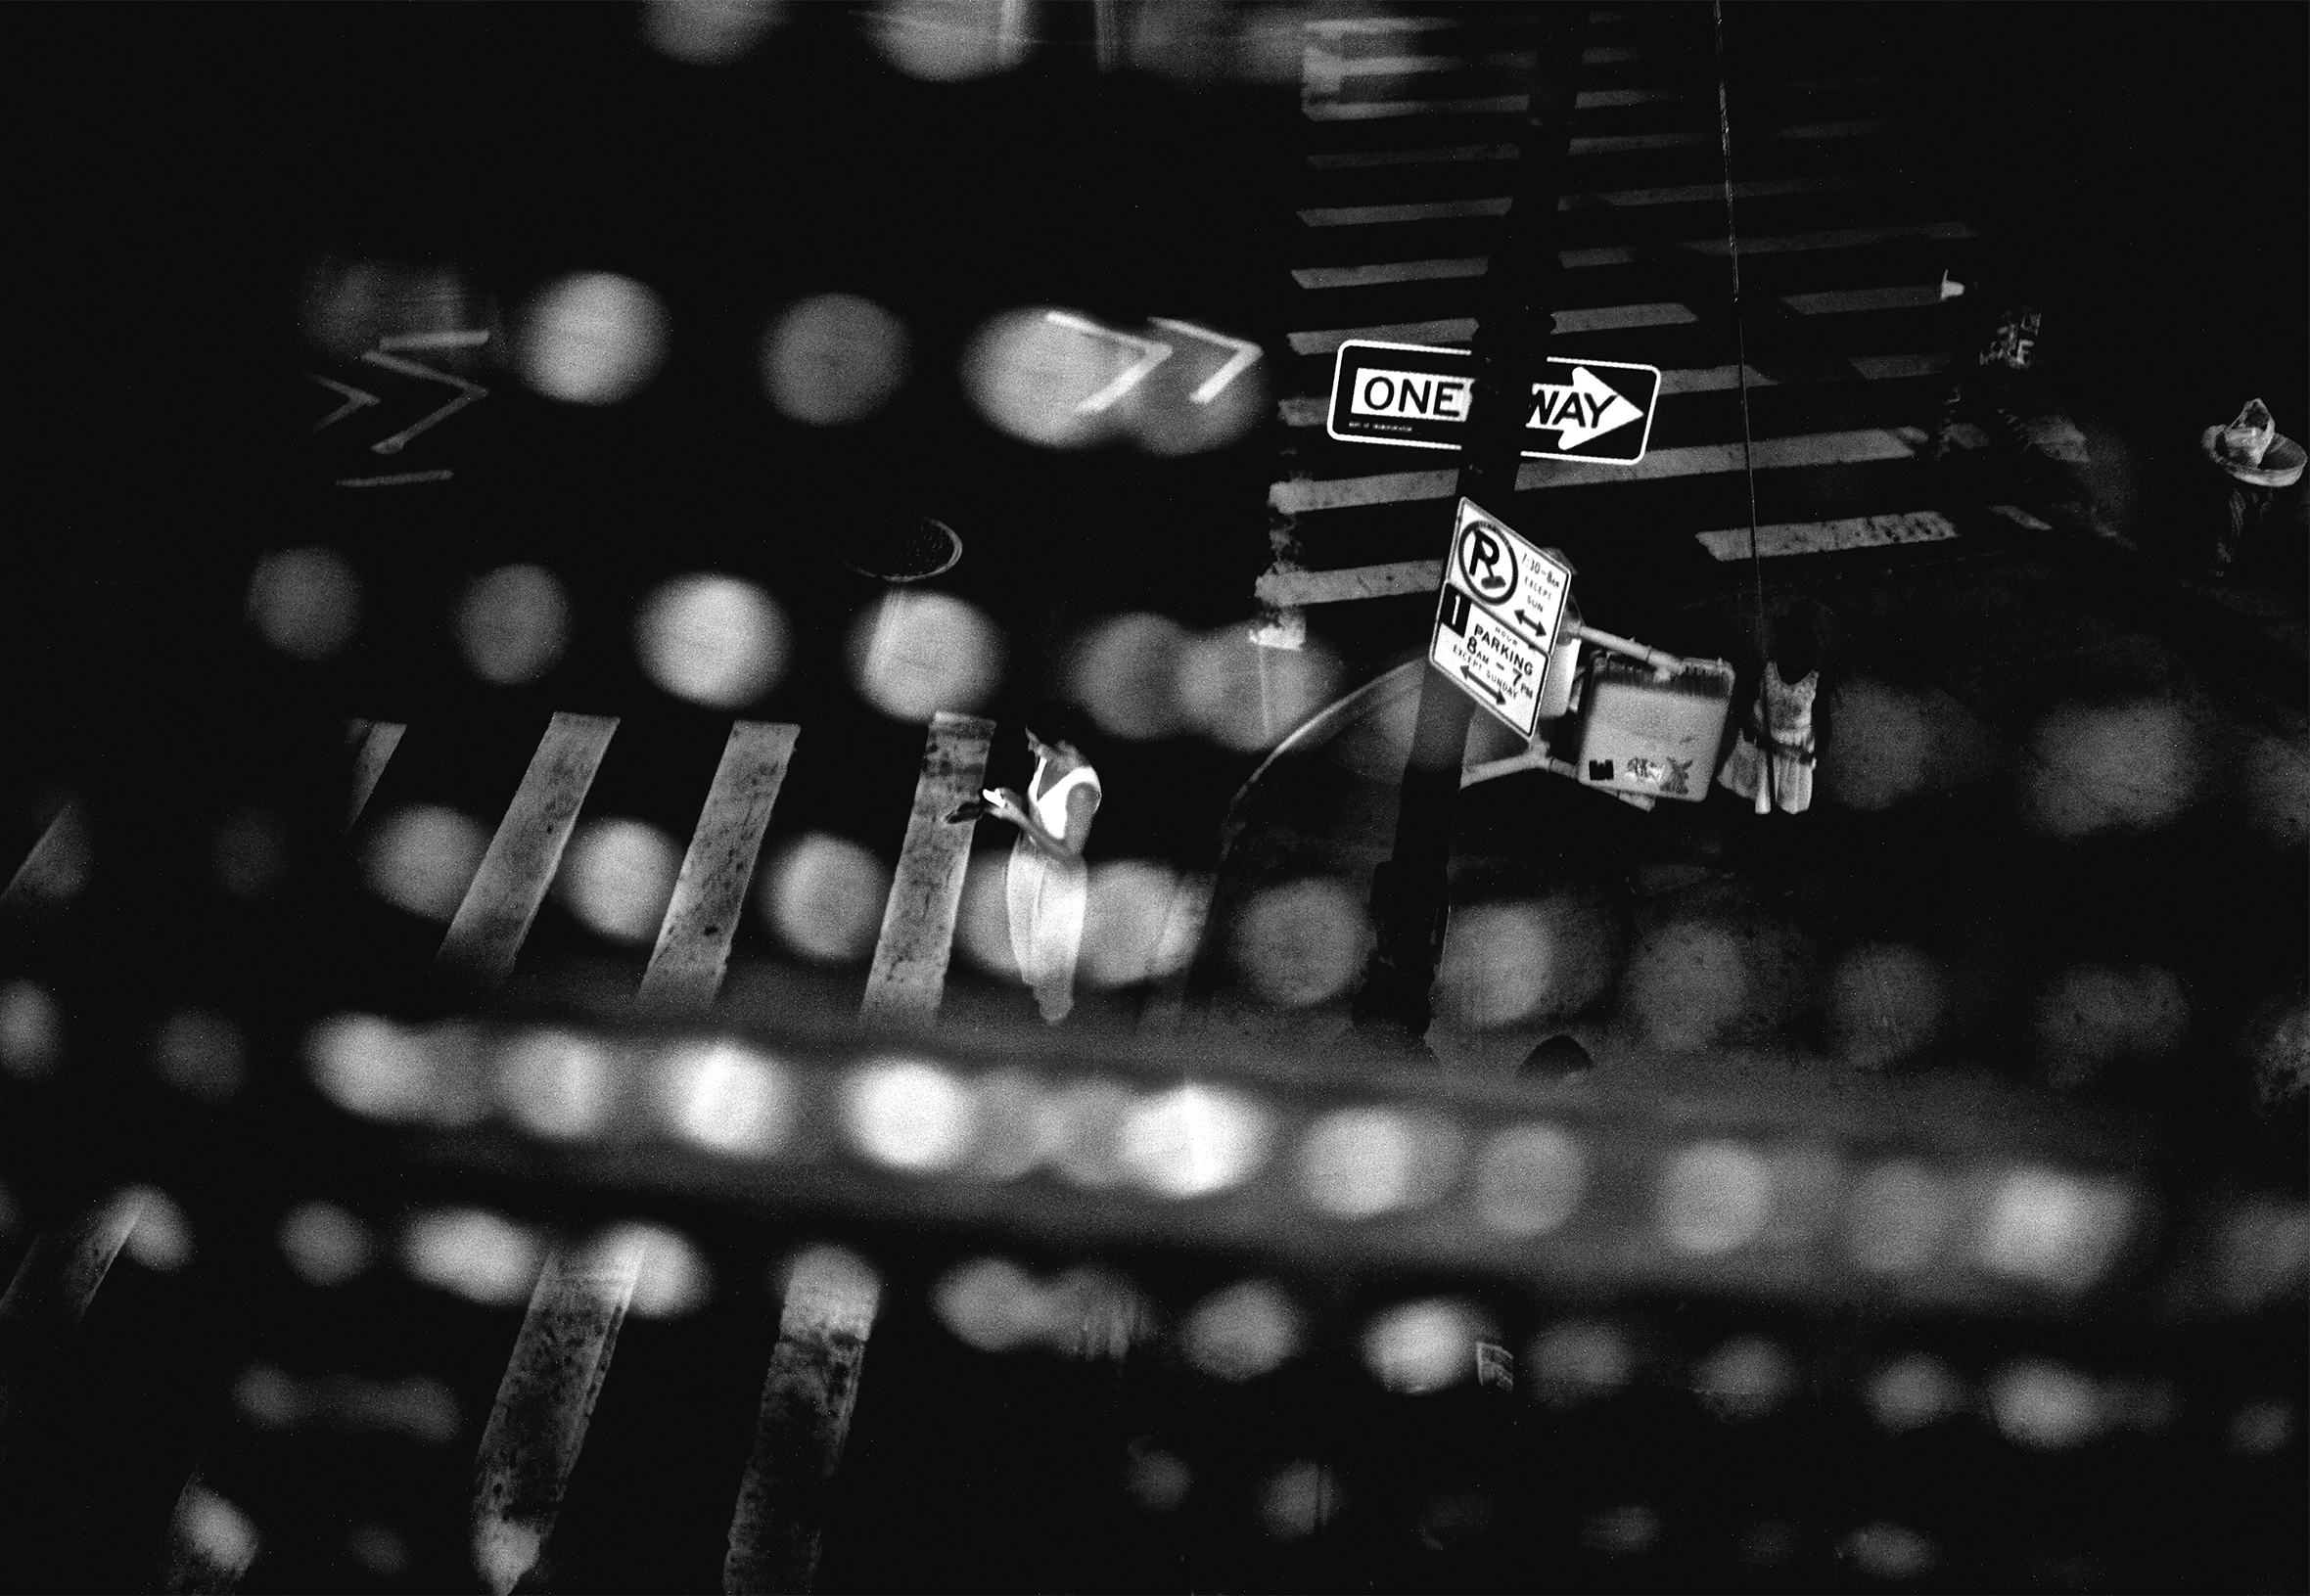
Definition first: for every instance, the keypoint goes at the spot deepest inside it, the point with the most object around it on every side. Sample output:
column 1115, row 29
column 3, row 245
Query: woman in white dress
column 1046, row 885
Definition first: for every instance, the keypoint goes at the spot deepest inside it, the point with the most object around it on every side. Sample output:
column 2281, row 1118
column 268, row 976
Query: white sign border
column 1339, row 363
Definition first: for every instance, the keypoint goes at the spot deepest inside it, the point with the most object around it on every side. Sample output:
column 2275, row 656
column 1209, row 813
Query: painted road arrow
column 1419, row 396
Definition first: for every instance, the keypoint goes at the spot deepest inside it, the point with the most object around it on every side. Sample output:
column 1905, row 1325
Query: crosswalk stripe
column 1349, row 160
column 1390, row 271
column 710, row 895
column 56, row 868
column 1609, row 144
column 1846, row 448
column 1459, row 330
column 1764, row 188
column 1285, row 588
column 1319, row 66
column 1838, row 301
column 47, row 1298
column 909, row 969
column 1489, row 105
column 1840, row 238
column 374, row 743
column 1828, row 536
column 486, row 936
column 1834, row 130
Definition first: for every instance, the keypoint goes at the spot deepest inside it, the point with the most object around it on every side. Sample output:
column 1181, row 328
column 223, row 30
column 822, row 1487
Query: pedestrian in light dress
column 1046, row 885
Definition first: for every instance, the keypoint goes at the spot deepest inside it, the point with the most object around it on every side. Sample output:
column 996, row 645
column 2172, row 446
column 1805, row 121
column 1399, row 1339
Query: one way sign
column 1417, row 396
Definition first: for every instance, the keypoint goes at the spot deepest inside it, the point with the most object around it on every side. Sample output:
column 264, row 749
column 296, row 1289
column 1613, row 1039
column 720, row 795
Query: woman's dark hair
column 1797, row 644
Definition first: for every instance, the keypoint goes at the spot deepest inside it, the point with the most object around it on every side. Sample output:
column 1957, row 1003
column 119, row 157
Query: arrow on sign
column 1217, row 382
column 1497, row 696
column 1150, row 355
column 1539, row 630
column 1586, row 410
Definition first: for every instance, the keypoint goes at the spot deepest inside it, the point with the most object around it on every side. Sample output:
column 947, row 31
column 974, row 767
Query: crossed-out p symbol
column 1487, row 562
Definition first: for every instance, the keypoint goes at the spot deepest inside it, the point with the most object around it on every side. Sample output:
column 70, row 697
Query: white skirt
column 1047, row 897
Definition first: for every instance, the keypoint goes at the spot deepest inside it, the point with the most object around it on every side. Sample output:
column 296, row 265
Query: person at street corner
column 1047, row 886
column 1780, row 722
column 2257, row 461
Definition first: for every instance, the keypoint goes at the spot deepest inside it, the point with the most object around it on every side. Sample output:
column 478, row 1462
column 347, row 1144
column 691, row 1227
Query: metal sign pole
column 1409, row 891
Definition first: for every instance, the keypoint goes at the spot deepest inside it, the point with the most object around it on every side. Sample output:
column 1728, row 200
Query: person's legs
column 1057, row 933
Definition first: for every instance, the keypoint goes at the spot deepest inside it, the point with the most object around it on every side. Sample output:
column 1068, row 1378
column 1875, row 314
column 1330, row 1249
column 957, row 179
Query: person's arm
column 1081, row 803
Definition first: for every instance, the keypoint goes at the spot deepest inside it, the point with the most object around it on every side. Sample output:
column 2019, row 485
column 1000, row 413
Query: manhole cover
column 901, row 549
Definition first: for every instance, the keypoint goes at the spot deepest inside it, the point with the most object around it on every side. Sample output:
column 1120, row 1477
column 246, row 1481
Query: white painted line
column 1605, row 318
column 1335, row 26
column 1325, row 72
column 355, row 398
column 2021, row 518
column 1842, row 301
column 1390, row 271
column 710, row 895
column 399, row 478
column 1318, row 110
column 908, row 975
column 1609, row 144
column 1303, row 412
column 1455, row 330
column 1147, row 352
column 1615, row 99
column 1847, row 448
column 1283, row 588
column 56, row 869
column 47, row 1298
column 1881, row 368
column 546, row 1400
column 801, row 1427
column 1836, row 130
column 467, row 393
column 470, row 339
column 1436, row 210
column 1836, row 238
column 1688, row 194
column 1346, row 159
column 1828, row 537
column 487, row 934
column 373, row 742
column 1241, row 353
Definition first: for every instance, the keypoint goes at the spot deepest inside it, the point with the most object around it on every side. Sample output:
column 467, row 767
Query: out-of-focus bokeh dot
column 326, row 1245
column 910, row 1114
column 1245, row 697
column 2046, row 1406
column 1897, row 1217
column 161, row 1239
column 224, row 1536
column 556, row 1084
column 1529, row 1179
column 708, row 32
column 1885, row 1002
column 989, row 1304
column 1507, row 962
column 833, row 359
column 982, row 925
column 349, row 306
column 824, row 896
column 31, row 1030
column 512, row 625
column 1686, row 982
column 592, row 338
column 1139, row 925
column 675, row 1277
column 714, row 640
column 1032, row 377
column 2128, row 767
column 370, row 1066
column 1714, row 1198
column 1883, row 743
column 1299, row 1499
column 1889, row 1552
column 1913, row 1391
column 1577, row 1361
column 382, row 1552
column 1193, row 1140
column 1301, row 943
column 912, row 654
column 1358, row 1163
column 941, row 41
column 617, row 877
column 201, row 1053
column 306, row 601
column 2275, row 777
column 2090, row 1017
column 1158, row 1481
column 1422, row 1346
column 1124, row 672
column 726, row 1098
column 1744, row 1379
column 248, row 851
column 2052, row 1228
column 421, row 859
column 473, row 1253
column 1243, row 1332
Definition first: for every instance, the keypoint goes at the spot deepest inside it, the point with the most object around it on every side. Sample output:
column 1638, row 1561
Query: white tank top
column 1051, row 808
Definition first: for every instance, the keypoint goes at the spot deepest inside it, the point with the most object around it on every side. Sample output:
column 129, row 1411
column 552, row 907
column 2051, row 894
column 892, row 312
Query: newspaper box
column 1653, row 738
